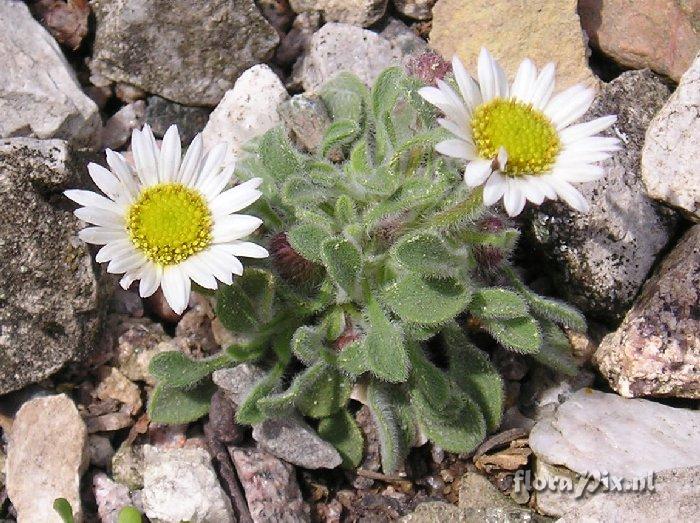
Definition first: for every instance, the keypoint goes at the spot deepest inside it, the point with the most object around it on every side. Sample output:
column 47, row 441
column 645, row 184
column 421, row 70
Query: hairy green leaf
column 345, row 211
column 248, row 412
column 498, row 303
column 556, row 349
column 474, row 373
column 307, row 344
column 427, row 301
column 129, row 515
column 175, row 406
column 174, row 369
column 353, row 359
column 343, row 263
column 326, row 395
column 235, row 309
column 278, row 155
column 307, row 240
column 341, row 431
column 63, row 508
column 339, row 133
column 426, row 254
column 384, row 346
column 392, row 442
column 519, row 334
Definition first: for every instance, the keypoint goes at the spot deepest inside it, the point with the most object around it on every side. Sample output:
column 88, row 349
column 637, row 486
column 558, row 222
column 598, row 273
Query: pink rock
column 270, row 485
column 660, row 34
column 656, row 349
column 110, row 496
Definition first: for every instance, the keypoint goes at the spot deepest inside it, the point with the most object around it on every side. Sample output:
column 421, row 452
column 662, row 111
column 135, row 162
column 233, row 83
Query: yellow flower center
column 169, row 223
column 527, row 135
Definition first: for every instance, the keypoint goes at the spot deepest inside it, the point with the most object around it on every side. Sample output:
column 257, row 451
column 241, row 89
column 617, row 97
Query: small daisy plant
column 389, row 280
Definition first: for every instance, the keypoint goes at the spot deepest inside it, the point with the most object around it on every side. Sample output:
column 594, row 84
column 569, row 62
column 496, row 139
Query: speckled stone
column 656, row 349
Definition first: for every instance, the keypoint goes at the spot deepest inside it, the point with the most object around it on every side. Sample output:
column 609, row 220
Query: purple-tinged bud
column 291, row 265
column 428, row 67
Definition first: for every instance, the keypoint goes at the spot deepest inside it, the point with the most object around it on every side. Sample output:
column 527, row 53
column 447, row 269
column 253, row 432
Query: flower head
column 166, row 220
column 518, row 140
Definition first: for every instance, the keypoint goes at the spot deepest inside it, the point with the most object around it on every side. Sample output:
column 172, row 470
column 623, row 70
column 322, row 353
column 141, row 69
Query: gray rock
column 47, row 454
column 39, row 95
column 189, row 51
column 291, row 438
column 676, row 497
column 594, row 433
column 416, row 9
column 403, row 37
column 246, row 111
column 361, row 13
column 162, row 113
column 296, row 41
column 270, row 486
column 181, row 485
column 50, row 299
column 476, row 492
column 100, row 451
column 138, row 341
column 656, row 349
column 602, row 258
column 118, row 128
column 670, row 156
column 306, row 119
column 342, row 47
column 127, row 466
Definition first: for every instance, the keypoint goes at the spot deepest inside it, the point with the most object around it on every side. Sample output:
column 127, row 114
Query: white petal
column 532, row 190
column 99, row 217
column 101, row 235
column 199, row 272
column 247, row 249
column 544, row 87
column 460, row 130
column 569, row 194
column 494, row 188
column 524, row 83
column 113, row 249
column 190, row 163
column 573, row 110
column 144, row 158
column 175, row 288
column 586, row 129
column 212, row 164
column 560, row 103
column 127, row 280
column 501, row 81
column 127, row 262
column 467, row 85
column 476, row 172
column 513, row 198
column 485, row 71
column 569, row 157
column 459, row 110
column 213, row 187
column 593, row 144
column 456, row 149
column 234, row 227
column 92, row 199
column 151, row 276
column 170, row 155
column 216, row 266
column 222, row 254
column 580, row 174
column 543, row 185
column 233, row 200
column 105, row 181
column 437, row 98
column 122, row 170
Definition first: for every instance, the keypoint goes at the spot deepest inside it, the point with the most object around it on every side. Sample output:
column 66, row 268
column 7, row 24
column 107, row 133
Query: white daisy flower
column 519, row 140
column 167, row 220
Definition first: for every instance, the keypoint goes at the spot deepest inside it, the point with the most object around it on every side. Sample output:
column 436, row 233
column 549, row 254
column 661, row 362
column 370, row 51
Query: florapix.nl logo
column 588, row 483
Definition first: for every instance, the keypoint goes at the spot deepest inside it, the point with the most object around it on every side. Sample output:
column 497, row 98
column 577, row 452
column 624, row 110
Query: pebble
column 670, row 154
column 595, row 433
column 246, row 111
column 110, row 496
column 270, row 486
column 181, row 485
column 118, row 128
column 46, row 456
column 656, row 349
column 46, row 105
column 306, row 119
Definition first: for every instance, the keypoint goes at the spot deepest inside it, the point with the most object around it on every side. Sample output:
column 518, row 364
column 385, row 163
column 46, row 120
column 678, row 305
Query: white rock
column 341, row 47
column 47, row 454
column 594, row 433
column 181, row 485
column 118, row 128
column 671, row 153
column 676, row 497
column 246, row 111
column 39, row 95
